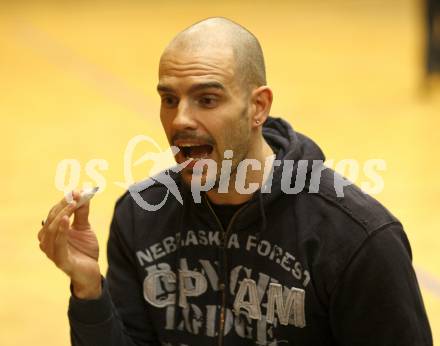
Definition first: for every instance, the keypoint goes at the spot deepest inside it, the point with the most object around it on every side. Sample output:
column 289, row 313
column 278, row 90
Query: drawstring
column 177, row 312
column 263, row 216
column 263, row 219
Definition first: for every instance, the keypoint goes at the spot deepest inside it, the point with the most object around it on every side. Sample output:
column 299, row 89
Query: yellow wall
column 77, row 80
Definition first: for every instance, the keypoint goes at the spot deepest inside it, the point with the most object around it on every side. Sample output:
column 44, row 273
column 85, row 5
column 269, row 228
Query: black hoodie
column 306, row 268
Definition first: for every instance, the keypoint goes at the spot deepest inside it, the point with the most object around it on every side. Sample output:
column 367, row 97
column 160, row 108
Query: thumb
column 81, row 217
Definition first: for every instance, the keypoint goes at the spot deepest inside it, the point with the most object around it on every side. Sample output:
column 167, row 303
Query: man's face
column 204, row 107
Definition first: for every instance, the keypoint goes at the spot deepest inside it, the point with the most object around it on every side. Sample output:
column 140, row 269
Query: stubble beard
column 240, row 150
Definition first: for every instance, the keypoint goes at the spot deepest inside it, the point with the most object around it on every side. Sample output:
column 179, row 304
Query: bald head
column 221, row 33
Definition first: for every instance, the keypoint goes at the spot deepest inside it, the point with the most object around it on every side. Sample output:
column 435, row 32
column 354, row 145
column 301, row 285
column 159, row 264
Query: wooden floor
column 78, row 82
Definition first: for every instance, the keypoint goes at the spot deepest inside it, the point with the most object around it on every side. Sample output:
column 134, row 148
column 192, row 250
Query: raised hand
column 73, row 247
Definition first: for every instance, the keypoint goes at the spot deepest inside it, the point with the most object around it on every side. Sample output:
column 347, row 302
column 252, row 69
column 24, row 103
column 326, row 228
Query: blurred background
column 78, row 82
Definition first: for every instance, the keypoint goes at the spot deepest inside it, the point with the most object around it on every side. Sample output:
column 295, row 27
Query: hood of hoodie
column 288, row 145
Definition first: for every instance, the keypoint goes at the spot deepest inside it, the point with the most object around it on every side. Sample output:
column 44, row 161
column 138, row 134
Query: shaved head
column 221, row 33
column 214, row 98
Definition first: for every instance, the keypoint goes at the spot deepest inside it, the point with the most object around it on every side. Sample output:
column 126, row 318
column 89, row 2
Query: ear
column 262, row 101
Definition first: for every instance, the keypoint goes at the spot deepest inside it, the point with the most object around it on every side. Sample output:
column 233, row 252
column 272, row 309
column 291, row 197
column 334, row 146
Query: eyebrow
column 193, row 88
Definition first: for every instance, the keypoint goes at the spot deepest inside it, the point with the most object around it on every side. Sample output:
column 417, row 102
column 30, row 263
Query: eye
column 169, row 101
column 208, row 101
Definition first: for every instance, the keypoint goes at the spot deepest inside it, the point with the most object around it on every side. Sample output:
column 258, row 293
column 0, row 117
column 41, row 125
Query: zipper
column 225, row 237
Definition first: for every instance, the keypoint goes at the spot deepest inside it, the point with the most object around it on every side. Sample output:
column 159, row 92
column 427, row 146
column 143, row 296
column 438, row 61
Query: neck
column 263, row 154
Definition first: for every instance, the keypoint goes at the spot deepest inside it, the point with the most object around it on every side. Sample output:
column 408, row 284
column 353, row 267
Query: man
column 240, row 266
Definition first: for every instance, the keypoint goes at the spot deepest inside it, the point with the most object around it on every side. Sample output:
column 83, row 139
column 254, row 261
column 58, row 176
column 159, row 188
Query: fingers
column 53, row 235
column 55, row 210
column 74, row 195
column 49, row 232
column 60, row 251
column 40, row 235
column 67, row 210
column 81, row 218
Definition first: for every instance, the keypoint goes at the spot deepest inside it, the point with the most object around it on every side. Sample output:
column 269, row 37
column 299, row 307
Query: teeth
column 196, row 158
column 187, row 149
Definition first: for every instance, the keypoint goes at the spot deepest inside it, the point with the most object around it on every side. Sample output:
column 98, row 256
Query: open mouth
column 196, row 152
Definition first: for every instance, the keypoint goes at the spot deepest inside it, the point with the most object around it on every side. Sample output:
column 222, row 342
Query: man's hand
column 73, row 248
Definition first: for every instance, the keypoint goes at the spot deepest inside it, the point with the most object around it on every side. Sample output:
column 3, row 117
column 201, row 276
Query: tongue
column 200, row 151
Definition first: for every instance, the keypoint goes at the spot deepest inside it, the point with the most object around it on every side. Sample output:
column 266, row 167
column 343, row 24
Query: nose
column 184, row 119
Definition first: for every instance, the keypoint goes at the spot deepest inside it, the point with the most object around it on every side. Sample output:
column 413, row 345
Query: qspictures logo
column 205, row 171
